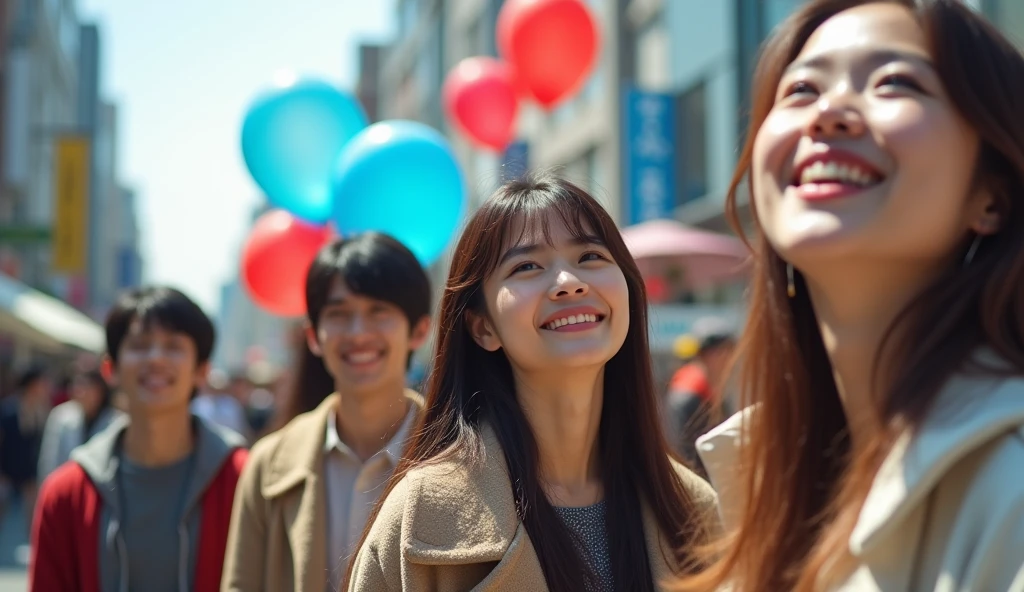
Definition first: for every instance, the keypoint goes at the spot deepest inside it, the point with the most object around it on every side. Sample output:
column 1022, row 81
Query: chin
column 819, row 244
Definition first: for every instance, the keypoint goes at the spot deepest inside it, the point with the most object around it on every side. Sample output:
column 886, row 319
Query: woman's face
column 863, row 156
column 88, row 394
column 555, row 306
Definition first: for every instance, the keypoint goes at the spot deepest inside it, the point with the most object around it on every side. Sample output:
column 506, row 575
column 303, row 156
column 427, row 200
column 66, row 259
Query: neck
column 564, row 412
column 368, row 421
column 855, row 309
column 159, row 440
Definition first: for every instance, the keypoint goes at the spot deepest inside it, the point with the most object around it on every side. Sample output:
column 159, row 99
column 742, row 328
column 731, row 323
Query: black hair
column 374, row 265
column 29, row 376
column 163, row 307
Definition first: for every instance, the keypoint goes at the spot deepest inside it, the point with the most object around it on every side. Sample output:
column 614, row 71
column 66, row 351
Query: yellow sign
column 71, row 205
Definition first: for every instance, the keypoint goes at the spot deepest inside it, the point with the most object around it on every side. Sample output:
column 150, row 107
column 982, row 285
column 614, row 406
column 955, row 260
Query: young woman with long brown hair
column 539, row 463
column 882, row 444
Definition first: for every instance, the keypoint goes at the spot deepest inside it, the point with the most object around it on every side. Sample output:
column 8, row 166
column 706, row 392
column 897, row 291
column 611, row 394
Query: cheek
column 931, row 148
column 514, row 306
column 773, row 151
column 935, row 154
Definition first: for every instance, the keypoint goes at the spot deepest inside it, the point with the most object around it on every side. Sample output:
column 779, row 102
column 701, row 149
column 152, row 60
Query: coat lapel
column 307, row 533
column 294, row 479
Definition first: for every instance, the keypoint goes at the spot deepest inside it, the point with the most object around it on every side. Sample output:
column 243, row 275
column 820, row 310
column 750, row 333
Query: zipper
column 115, row 539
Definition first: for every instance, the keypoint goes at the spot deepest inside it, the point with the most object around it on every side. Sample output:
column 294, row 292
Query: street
column 13, row 542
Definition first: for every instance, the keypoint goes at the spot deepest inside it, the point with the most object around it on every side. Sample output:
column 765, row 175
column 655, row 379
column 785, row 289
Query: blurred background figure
column 88, row 410
column 303, row 387
column 220, row 404
column 699, row 384
column 22, row 419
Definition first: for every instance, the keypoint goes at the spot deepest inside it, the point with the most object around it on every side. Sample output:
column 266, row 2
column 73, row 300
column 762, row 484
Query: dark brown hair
column 804, row 487
column 470, row 386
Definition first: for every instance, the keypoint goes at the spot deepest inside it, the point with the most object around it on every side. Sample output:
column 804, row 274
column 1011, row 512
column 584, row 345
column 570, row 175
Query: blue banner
column 516, row 160
column 649, row 154
column 128, row 267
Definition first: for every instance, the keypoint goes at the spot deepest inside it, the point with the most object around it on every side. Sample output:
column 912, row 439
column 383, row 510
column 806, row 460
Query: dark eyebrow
column 518, row 250
column 875, row 59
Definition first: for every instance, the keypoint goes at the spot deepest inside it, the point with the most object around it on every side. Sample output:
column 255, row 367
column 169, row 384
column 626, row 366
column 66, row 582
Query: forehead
column 546, row 228
column 867, row 28
column 144, row 325
column 340, row 293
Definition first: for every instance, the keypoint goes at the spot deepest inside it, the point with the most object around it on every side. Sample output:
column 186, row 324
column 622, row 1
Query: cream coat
column 450, row 528
column 278, row 536
column 946, row 510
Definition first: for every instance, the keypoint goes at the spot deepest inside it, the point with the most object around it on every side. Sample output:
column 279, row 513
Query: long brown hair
column 804, row 488
column 469, row 386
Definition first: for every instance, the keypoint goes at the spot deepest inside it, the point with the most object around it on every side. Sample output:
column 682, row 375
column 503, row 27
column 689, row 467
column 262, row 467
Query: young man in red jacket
column 146, row 503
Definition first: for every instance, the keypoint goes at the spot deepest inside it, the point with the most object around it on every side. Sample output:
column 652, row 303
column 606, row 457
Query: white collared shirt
column 352, row 488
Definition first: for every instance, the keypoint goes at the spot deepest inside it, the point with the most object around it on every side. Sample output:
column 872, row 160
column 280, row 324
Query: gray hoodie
column 99, row 458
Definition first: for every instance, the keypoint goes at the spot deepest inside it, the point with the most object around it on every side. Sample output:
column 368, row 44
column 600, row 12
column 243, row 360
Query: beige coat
column 278, row 536
column 946, row 509
column 449, row 528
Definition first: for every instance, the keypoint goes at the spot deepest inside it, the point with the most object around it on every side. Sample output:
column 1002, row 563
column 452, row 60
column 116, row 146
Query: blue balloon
column 291, row 139
column 400, row 178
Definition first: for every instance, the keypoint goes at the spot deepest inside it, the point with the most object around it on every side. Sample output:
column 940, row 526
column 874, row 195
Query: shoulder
column 452, row 508
column 265, row 448
column 993, row 477
column 699, row 489
column 295, row 433
column 65, row 411
column 65, row 487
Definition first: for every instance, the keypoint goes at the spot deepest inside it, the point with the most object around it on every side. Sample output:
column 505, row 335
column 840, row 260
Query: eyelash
column 520, row 267
column 901, row 80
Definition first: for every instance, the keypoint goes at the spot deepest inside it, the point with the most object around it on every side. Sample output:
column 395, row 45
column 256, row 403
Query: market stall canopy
column 705, row 257
column 44, row 321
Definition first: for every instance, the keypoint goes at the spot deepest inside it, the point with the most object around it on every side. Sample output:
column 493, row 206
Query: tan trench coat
column 448, row 528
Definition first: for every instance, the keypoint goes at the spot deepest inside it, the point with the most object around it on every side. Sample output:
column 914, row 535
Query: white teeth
column 571, row 320
column 832, row 171
column 362, row 357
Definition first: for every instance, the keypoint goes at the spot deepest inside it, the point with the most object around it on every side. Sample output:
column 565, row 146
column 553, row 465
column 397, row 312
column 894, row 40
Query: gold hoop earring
column 790, row 283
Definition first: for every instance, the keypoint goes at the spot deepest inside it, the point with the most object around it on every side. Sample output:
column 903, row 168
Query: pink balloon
column 480, row 99
column 275, row 259
column 551, row 46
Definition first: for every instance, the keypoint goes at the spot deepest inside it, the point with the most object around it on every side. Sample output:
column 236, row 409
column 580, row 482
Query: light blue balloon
column 400, row 178
column 291, row 140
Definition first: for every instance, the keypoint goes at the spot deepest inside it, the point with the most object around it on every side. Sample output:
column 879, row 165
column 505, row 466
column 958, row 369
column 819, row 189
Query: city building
column 51, row 163
column 40, row 80
column 368, row 86
column 245, row 332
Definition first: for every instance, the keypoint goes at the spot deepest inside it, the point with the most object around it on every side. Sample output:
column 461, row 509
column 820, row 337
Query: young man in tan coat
column 303, row 500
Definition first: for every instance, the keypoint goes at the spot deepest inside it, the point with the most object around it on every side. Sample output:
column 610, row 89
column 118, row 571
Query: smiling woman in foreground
column 539, row 463
column 882, row 363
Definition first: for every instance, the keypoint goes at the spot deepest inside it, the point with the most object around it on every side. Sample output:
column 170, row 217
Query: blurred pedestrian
column 303, row 500
column 145, row 504
column 89, row 411
column 696, row 402
column 22, row 421
column 217, row 404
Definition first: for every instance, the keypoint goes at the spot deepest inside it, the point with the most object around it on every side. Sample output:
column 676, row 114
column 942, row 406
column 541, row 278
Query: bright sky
column 183, row 73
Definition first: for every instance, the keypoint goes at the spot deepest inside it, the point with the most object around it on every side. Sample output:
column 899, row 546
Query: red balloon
column 275, row 259
column 480, row 99
column 551, row 45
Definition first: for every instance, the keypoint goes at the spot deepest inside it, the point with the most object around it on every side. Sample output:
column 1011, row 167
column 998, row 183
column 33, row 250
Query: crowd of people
column 879, row 377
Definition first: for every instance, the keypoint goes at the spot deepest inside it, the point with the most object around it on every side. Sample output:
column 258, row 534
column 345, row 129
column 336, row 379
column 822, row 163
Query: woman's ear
column 482, row 331
column 985, row 214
